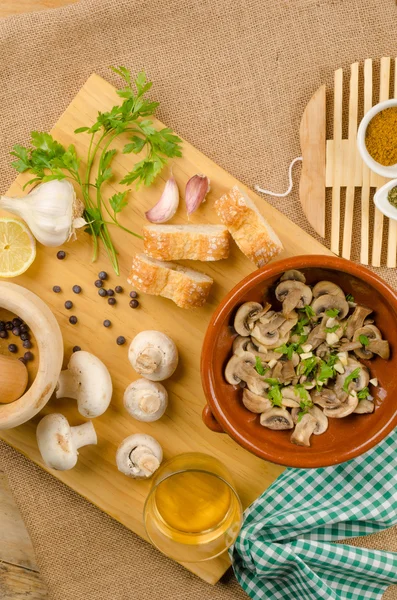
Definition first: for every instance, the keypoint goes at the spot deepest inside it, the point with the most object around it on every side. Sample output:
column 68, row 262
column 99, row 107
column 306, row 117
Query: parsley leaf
column 332, row 312
column 349, row 298
column 302, row 391
column 326, row 372
column 308, row 365
column 363, row 339
column 353, row 375
column 272, row 381
column 259, row 368
column 309, row 311
column 275, row 396
column 332, row 329
column 118, row 201
column 362, row 394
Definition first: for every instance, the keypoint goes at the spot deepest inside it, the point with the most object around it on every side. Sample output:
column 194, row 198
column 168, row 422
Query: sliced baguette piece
column 249, row 229
column 186, row 287
column 186, row 242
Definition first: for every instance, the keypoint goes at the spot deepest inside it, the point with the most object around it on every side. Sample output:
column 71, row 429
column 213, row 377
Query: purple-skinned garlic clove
column 167, row 206
column 197, row 188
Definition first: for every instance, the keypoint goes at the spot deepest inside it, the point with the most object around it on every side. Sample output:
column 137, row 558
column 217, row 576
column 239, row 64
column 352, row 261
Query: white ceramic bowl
column 381, row 201
column 389, row 172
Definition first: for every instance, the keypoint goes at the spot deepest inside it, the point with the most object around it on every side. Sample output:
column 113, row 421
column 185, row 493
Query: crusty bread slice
column 189, row 242
column 251, row 232
column 187, row 288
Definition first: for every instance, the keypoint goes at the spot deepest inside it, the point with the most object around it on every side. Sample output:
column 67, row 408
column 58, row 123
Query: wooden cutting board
column 181, row 429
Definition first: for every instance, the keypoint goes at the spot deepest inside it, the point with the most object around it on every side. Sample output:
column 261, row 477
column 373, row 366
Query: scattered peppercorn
column 76, row 289
column 21, row 358
column 68, row 304
column 102, row 292
column 107, row 323
column 120, row 340
column 76, row 348
column 27, row 344
column 13, row 348
column 24, row 328
column 56, row 289
column 17, row 322
column 9, row 325
column 73, row 320
column 2, row 325
column 118, row 289
column 28, row 356
column 110, row 292
column 134, row 303
column 61, row 254
column 4, row 334
column 98, row 283
column 112, row 301
column 25, row 336
column 103, row 275
column 133, row 295
column 16, row 331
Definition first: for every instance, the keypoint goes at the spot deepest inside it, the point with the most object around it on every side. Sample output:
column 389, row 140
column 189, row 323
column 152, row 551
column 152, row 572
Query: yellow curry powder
column 381, row 137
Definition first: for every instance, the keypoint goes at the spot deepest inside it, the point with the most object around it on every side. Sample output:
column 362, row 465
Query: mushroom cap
column 145, row 400
column 139, row 456
column 239, row 367
column 240, row 344
column 326, row 398
column 344, row 409
column 304, row 430
column 372, row 333
column 322, row 421
column 88, row 381
column 364, row 407
column 268, row 334
column 293, row 294
column 356, row 320
column 255, row 403
column 246, row 315
column 329, row 301
column 327, row 287
column 277, row 419
column 293, row 274
column 153, row 354
column 54, row 439
column 291, row 398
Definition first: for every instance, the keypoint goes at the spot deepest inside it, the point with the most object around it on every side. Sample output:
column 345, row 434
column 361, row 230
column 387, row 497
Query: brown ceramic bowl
column 345, row 438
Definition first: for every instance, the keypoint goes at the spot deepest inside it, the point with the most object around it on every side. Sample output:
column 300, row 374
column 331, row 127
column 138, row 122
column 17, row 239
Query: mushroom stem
column 149, row 360
column 83, row 435
column 67, row 386
column 143, row 459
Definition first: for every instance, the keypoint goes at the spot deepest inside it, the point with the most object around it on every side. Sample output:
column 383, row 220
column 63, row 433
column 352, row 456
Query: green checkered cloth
column 285, row 549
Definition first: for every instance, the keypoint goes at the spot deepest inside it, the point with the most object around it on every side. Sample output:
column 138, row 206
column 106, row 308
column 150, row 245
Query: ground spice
column 392, row 197
column 381, row 137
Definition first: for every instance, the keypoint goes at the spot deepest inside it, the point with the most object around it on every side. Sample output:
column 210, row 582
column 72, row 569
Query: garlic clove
column 197, row 188
column 167, row 206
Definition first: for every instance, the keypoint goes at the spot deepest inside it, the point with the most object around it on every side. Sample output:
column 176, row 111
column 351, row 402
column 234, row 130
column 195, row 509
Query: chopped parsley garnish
column 349, row 298
column 353, row 375
column 332, row 312
column 326, row 372
column 272, row 381
column 308, row 311
column 259, row 368
column 305, row 405
column 363, row 340
column 302, row 322
column 308, row 365
column 301, row 391
column 332, row 329
column 275, row 396
column 362, row 394
column 289, row 349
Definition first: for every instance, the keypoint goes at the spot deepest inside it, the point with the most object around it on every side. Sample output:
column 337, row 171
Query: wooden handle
column 49, row 342
column 210, row 421
column 312, row 181
column 13, row 379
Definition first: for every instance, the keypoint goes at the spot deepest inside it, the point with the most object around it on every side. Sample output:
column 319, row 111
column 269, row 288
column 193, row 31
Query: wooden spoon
column 13, row 379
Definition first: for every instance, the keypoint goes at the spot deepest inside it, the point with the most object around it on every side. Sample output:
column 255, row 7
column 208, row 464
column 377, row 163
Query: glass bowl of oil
column 193, row 512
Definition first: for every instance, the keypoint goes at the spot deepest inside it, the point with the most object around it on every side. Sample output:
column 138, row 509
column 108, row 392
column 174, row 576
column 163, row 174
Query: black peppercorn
column 17, row 322
column 107, row 323
column 16, row 331
column 9, row 325
column 61, row 254
column 13, row 348
column 76, row 289
column 68, row 304
column 27, row 344
column 110, row 292
column 56, row 289
column 24, row 328
column 133, row 295
column 73, row 320
column 102, row 292
column 118, row 289
column 25, row 336
column 28, row 356
column 112, row 301
column 21, row 358
column 98, row 283
column 4, row 334
column 2, row 325
column 120, row 340
column 76, row 348
column 134, row 303
column 103, row 275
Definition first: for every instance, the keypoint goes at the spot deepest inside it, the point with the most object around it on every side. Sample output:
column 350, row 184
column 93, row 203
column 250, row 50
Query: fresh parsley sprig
column 353, row 375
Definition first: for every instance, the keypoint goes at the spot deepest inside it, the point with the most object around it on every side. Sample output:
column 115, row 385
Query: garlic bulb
column 167, row 206
column 51, row 210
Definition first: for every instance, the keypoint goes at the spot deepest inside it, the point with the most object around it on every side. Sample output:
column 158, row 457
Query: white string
column 270, row 193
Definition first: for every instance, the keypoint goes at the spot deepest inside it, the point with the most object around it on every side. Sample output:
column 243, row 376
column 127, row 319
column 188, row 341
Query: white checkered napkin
column 285, row 550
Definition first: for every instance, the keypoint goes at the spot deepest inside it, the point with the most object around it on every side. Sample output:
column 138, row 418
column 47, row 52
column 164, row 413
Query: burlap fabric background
column 233, row 77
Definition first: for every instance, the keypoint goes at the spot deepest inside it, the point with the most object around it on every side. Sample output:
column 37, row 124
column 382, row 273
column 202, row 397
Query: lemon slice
column 17, row 247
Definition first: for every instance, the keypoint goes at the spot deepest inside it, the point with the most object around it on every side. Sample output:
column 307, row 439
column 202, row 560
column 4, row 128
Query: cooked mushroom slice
column 287, row 370
column 358, row 383
column 288, row 324
column 322, row 421
column 356, row 320
column 245, row 317
column 364, row 407
column 277, row 419
column 380, row 347
column 327, row 287
column 304, row 430
column 322, row 350
column 268, row 333
column 344, row 409
column 291, row 398
column 256, row 385
column 371, row 333
column 240, row 367
column 329, row 301
column 317, row 336
column 277, row 371
column 349, row 346
column 267, row 316
column 255, row 403
column 293, row 294
column 294, row 275
column 264, row 354
column 326, row 398
column 240, row 344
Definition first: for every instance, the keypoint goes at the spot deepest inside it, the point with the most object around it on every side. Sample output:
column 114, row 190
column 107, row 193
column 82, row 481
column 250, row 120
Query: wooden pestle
column 13, row 379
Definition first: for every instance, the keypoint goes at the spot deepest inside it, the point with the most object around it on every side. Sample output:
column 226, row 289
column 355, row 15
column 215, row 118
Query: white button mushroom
column 154, row 355
column 145, row 400
column 139, row 456
column 86, row 380
column 59, row 442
